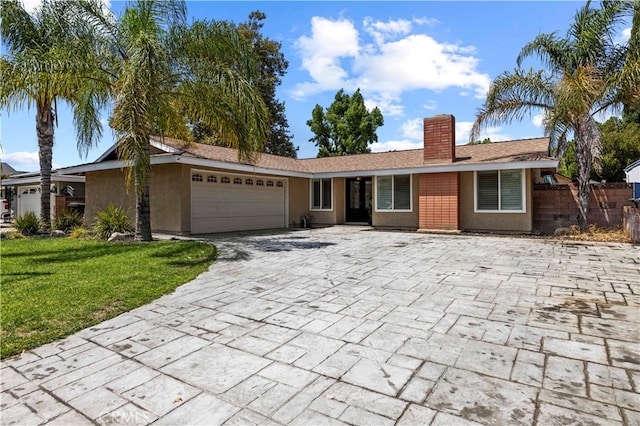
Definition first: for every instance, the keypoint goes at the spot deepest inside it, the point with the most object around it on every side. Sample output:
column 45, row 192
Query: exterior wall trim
column 444, row 169
column 253, row 169
column 36, row 180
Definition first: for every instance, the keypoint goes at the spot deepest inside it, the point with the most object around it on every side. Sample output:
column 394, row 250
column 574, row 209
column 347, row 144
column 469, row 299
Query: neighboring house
column 199, row 188
column 6, row 171
column 66, row 191
column 632, row 171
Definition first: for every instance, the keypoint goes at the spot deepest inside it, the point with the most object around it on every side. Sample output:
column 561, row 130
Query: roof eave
column 202, row 162
column 30, row 180
column 532, row 164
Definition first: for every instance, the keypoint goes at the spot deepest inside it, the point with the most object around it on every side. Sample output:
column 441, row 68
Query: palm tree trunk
column 44, row 131
column 584, row 158
column 143, row 213
column 143, row 204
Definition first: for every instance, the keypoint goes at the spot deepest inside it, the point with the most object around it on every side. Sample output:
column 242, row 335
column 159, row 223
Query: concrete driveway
column 347, row 325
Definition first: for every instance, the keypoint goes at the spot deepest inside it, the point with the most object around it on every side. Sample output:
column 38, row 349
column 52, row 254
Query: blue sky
column 412, row 59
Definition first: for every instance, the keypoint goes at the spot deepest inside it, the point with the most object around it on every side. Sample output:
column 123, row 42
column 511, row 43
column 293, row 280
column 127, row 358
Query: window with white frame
column 500, row 190
column 393, row 192
column 321, row 191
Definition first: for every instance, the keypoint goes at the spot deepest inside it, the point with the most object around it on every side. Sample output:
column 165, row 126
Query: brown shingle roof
column 497, row 152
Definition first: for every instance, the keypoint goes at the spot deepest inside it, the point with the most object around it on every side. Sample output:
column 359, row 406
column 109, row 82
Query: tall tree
column 346, row 128
column 165, row 74
column 578, row 82
column 630, row 75
column 620, row 147
column 40, row 69
column 273, row 66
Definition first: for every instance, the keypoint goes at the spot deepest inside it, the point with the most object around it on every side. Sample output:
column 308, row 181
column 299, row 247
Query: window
column 237, row 181
column 393, row 192
column 259, row 182
column 248, row 182
column 196, row 178
column 279, row 184
column 211, row 179
column 500, row 190
column 269, row 183
column 321, row 194
column 225, row 179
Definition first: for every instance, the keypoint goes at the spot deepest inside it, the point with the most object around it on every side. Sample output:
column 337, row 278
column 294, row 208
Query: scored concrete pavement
column 346, row 325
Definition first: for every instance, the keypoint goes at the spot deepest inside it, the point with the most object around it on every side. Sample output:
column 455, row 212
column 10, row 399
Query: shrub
column 27, row 224
column 67, row 220
column 110, row 220
column 80, row 233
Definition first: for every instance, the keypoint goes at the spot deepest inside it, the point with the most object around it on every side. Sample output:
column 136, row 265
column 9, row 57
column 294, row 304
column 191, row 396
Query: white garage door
column 29, row 200
column 224, row 202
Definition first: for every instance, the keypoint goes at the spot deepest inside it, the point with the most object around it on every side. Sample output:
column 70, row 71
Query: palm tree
column 43, row 48
column 166, row 74
column 579, row 82
column 629, row 77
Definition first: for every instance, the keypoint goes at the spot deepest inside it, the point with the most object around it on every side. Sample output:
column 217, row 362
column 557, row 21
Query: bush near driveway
column 52, row 288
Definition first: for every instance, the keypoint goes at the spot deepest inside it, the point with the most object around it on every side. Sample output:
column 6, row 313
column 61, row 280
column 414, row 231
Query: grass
column 595, row 233
column 51, row 288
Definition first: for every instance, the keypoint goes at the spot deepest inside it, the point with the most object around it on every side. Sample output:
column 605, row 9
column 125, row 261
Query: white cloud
column 413, row 129
column 430, row 105
column 538, row 119
column 321, row 53
column 463, row 131
column 397, row 68
column 399, row 145
column 382, row 31
column 31, row 5
column 413, row 136
column 336, row 55
column 624, row 36
column 425, row 21
column 603, row 116
column 23, row 161
column 496, row 134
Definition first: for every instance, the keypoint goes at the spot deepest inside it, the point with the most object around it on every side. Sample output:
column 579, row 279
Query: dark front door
column 359, row 199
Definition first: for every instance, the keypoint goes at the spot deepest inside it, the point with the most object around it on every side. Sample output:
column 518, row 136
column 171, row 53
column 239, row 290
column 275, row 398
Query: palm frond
column 19, row 30
column 549, row 49
column 513, row 96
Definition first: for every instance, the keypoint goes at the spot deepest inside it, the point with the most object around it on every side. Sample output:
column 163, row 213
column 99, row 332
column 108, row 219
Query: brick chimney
column 440, row 138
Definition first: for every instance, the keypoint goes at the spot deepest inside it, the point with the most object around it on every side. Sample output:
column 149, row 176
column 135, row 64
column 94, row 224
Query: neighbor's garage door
column 29, row 200
column 223, row 202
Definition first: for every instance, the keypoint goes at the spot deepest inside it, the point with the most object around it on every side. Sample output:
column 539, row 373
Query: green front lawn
column 51, row 288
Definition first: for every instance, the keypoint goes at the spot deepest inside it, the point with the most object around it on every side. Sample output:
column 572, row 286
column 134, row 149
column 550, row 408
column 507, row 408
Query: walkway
column 346, row 325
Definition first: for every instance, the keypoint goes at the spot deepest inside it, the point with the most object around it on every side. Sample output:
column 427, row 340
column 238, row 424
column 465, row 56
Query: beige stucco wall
column 503, row 222
column 104, row 187
column 337, row 213
column 170, row 196
column 171, row 202
column 339, row 199
column 298, row 200
column 407, row 220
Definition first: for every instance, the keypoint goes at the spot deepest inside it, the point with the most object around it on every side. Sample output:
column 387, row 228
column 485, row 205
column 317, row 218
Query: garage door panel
column 224, row 224
column 221, row 207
